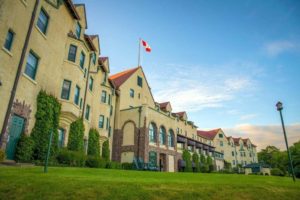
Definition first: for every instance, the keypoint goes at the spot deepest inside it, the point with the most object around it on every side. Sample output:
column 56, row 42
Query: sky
column 226, row 63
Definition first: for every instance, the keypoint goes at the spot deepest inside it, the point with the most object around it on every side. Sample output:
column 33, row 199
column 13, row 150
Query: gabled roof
column 208, row 134
column 83, row 5
column 102, row 61
column 119, row 78
column 164, row 105
column 72, row 9
column 236, row 141
column 88, row 39
column 181, row 114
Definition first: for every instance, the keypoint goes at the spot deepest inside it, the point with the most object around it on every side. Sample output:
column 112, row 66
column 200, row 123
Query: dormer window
column 78, row 30
column 140, row 81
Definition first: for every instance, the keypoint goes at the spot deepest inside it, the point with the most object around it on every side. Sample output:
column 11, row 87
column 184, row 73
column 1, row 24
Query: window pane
column 78, row 30
column 140, row 81
column 61, row 137
column 9, row 40
column 65, row 92
column 87, row 112
column 103, row 97
column 43, row 21
column 77, row 95
column 31, row 66
column 72, row 53
column 91, row 82
column 101, row 121
column 82, row 59
column 131, row 93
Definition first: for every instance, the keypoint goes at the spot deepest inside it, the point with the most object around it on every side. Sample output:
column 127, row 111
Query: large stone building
column 44, row 47
column 236, row 150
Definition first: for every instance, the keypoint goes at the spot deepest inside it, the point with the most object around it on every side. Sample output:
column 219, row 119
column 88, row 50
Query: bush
column 277, row 172
column 210, row 164
column 127, row 166
column 186, row 156
column 105, row 150
column 71, row 158
column 93, row 144
column 75, row 142
column 24, row 150
column 95, row 162
column 47, row 120
column 2, row 155
column 195, row 158
column 113, row 165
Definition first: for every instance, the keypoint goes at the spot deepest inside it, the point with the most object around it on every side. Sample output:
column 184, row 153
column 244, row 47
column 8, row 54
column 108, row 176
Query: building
column 147, row 130
column 45, row 48
column 235, row 150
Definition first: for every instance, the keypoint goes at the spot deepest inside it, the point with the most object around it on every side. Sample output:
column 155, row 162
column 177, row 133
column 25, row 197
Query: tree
column 210, row 164
column 75, row 142
column 195, row 159
column 295, row 152
column 203, row 164
column 93, row 143
column 24, row 150
column 186, row 156
column 105, row 150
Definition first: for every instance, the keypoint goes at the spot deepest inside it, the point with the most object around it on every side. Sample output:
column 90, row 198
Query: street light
column 279, row 108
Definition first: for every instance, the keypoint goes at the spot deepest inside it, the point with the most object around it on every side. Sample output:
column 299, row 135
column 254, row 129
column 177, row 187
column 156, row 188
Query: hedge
column 105, row 150
column 93, row 144
column 71, row 158
column 75, row 142
column 46, row 120
column 2, row 155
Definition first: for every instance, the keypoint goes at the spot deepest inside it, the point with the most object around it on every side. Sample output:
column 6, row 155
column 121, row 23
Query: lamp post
column 279, row 108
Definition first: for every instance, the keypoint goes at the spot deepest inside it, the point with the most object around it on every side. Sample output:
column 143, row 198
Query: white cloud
column 193, row 88
column 278, row 47
column 264, row 135
column 249, row 116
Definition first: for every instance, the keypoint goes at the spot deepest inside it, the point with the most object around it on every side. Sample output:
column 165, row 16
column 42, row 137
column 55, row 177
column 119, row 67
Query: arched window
column 152, row 132
column 162, row 135
column 171, row 138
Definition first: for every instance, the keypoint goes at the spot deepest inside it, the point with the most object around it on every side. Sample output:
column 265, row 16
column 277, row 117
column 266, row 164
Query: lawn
column 84, row 183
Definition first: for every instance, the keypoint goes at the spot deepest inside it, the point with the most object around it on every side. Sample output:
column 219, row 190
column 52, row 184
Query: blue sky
column 225, row 62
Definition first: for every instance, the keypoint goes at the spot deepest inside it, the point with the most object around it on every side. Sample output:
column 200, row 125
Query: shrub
column 186, row 156
column 71, row 158
column 47, row 120
column 95, row 162
column 24, row 150
column 93, row 144
column 277, row 172
column 75, row 142
column 113, row 165
column 105, row 150
column 2, row 155
column 127, row 166
column 195, row 158
column 210, row 164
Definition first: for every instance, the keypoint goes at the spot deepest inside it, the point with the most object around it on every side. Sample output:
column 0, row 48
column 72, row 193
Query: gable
column 82, row 14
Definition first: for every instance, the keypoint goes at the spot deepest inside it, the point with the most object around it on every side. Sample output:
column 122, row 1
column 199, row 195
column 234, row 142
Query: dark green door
column 15, row 130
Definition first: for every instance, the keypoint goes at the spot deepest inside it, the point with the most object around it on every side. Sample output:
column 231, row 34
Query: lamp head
column 279, row 106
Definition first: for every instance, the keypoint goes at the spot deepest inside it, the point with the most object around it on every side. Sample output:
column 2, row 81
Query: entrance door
column 162, row 162
column 15, row 130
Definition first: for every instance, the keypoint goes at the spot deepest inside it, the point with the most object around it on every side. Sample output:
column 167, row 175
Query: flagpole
column 139, row 54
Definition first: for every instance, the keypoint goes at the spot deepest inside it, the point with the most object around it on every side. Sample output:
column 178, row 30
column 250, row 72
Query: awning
column 181, row 139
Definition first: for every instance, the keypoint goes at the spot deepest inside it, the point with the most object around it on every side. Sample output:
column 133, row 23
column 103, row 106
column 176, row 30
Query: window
column 91, row 82
column 232, row 153
column 233, row 162
column 42, row 22
column 107, row 123
column 152, row 132
column 101, row 121
column 82, row 58
column 111, row 110
column 171, row 138
column 162, row 135
column 103, row 96
column 8, row 40
column 61, row 137
column 140, row 81
column 72, row 53
column 78, row 30
column 152, row 159
column 85, row 72
column 220, row 135
column 109, row 131
column 87, row 112
column 65, row 91
column 109, row 99
column 177, row 130
column 94, row 58
column 77, row 95
column 80, row 105
column 221, row 143
column 131, row 93
column 105, row 77
column 31, row 65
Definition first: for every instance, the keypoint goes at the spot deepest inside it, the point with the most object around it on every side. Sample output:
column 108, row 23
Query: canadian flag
column 146, row 46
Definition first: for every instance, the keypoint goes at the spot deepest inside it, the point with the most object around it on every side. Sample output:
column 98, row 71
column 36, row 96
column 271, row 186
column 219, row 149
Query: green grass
column 84, row 183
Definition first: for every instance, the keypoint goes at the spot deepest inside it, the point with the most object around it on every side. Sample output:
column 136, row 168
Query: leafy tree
column 46, row 121
column 105, row 150
column 195, row 159
column 93, row 143
column 75, row 142
column 186, row 156
column 295, row 152
column 203, row 164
